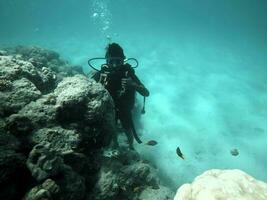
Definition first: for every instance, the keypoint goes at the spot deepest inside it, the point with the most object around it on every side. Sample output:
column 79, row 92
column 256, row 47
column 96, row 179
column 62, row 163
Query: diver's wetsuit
column 123, row 99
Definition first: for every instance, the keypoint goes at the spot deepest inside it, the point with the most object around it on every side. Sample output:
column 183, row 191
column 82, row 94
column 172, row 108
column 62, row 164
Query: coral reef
column 59, row 139
column 45, row 60
column 44, row 162
column 163, row 193
column 120, row 175
column 23, row 92
column 223, row 184
column 47, row 190
column 56, row 128
column 5, row 84
column 13, row 172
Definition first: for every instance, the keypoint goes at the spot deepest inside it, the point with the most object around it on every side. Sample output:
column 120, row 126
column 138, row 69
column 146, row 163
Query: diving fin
column 134, row 133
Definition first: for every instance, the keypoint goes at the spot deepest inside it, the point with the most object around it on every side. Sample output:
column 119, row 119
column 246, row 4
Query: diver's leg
column 125, row 122
column 134, row 131
column 115, row 143
column 130, row 138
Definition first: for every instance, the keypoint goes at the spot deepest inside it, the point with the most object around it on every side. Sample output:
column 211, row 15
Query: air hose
column 99, row 58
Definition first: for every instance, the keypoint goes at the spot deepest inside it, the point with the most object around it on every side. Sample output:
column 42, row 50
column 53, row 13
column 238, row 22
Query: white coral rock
column 223, row 184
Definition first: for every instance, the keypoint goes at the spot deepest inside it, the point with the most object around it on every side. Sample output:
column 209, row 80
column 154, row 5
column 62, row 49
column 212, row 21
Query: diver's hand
column 128, row 83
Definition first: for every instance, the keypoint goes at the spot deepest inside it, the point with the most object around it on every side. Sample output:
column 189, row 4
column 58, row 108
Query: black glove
column 128, row 83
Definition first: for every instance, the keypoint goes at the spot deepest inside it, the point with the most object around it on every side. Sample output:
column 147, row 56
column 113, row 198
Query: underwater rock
column 72, row 185
column 87, row 109
column 8, row 155
column 41, row 57
column 13, row 68
column 35, row 115
column 48, row 79
column 44, row 162
column 22, row 93
column 2, row 124
column 118, row 179
column 21, row 83
column 162, row 193
column 3, row 53
column 5, row 84
column 61, row 140
column 10, row 68
column 32, row 117
column 72, row 96
column 107, row 186
column 19, row 126
column 12, row 166
column 48, row 190
column 138, row 174
column 38, row 56
column 87, row 105
column 80, row 98
column 58, row 123
column 124, row 155
column 85, row 165
column 223, row 184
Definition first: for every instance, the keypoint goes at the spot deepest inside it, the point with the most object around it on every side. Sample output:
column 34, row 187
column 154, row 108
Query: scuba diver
column 119, row 78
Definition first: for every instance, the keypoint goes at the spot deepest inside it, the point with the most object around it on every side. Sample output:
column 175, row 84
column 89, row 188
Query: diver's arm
column 140, row 88
column 136, row 85
column 133, row 81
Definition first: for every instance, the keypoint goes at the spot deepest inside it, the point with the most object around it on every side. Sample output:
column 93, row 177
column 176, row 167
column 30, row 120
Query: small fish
column 151, row 143
column 234, row 152
column 179, row 153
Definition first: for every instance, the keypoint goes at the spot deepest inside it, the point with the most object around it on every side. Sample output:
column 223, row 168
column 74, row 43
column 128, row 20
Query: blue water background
column 204, row 63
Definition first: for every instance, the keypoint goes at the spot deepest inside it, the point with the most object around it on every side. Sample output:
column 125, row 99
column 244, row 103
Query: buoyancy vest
column 111, row 79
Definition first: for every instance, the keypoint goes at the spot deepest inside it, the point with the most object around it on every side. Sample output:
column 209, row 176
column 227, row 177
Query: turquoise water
column 204, row 63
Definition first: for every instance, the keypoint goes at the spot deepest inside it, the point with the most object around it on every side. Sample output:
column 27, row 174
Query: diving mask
column 115, row 61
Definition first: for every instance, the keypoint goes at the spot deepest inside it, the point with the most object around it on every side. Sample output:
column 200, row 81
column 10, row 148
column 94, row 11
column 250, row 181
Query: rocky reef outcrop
column 56, row 127
column 223, row 184
column 13, row 171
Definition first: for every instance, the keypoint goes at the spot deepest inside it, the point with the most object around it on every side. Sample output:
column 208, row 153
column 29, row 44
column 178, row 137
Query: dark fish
column 234, row 152
column 152, row 143
column 179, row 153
